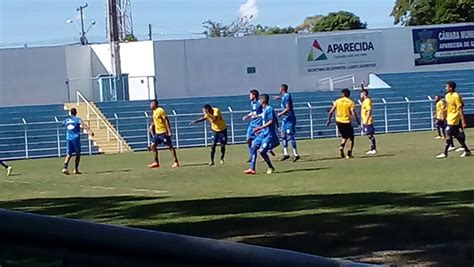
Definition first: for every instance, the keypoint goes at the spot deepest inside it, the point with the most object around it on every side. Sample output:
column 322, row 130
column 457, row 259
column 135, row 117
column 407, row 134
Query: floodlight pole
column 83, row 32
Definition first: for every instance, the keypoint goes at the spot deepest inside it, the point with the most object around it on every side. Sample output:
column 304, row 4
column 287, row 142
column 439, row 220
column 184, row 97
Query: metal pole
column 176, row 127
column 385, row 115
column 408, row 113
column 90, row 145
column 26, row 139
column 57, row 136
column 232, row 124
column 116, row 122
column 431, row 112
column 150, row 35
column 205, row 133
column 147, row 129
column 68, row 91
column 311, row 130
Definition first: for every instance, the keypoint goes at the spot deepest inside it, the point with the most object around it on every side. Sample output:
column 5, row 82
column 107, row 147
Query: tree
column 266, row 30
column 309, row 23
column 339, row 21
column 130, row 38
column 424, row 12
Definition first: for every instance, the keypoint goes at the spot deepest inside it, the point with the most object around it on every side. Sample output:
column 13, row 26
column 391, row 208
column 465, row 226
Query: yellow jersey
column 160, row 121
column 217, row 125
column 440, row 110
column 454, row 106
column 344, row 106
column 367, row 117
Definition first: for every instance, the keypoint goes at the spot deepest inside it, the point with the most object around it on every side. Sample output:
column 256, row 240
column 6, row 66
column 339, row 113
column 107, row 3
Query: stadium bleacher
column 130, row 118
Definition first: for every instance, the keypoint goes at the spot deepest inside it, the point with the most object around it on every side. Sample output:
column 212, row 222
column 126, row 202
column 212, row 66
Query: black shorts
column 164, row 139
column 346, row 130
column 441, row 123
column 453, row 130
column 220, row 137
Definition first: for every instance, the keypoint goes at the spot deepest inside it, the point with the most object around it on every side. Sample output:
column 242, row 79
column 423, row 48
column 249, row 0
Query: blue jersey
column 269, row 115
column 256, row 110
column 73, row 128
column 285, row 101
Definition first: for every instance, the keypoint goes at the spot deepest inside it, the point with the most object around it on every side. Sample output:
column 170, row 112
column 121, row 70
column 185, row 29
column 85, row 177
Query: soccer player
column 73, row 140
column 214, row 116
column 440, row 118
column 455, row 121
column 288, row 123
column 266, row 139
column 9, row 169
column 161, row 132
column 345, row 109
column 368, row 120
column 254, row 116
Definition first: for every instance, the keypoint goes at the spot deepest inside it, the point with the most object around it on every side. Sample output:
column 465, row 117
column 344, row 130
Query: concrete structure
column 202, row 67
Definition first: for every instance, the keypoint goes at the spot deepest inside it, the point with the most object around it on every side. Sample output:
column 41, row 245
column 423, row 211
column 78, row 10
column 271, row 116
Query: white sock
column 295, row 152
column 285, row 151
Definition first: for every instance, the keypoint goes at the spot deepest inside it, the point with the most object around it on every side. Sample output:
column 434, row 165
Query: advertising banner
column 339, row 52
column 443, row 45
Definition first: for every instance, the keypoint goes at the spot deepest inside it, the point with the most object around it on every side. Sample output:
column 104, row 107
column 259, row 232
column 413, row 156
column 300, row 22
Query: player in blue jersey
column 288, row 123
column 8, row 168
column 267, row 137
column 73, row 140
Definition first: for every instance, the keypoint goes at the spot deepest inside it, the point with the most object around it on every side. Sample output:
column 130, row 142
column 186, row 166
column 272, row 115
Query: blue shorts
column 288, row 127
column 160, row 139
column 73, row 147
column 368, row 129
column 262, row 142
column 220, row 137
column 251, row 135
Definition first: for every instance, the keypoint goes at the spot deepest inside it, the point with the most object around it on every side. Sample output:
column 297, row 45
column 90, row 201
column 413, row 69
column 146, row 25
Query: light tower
column 124, row 18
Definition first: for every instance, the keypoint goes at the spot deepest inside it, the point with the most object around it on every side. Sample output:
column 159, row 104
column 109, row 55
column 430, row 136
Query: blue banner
column 443, row 45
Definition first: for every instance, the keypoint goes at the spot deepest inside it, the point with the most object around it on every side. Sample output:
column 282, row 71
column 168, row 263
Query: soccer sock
column 3, row 164
column 65, row 165
column 266, row 158
column 222, row 152
column 462, row 136
column 253, row 158
column 213, row 152
column 449, row 143
column 439, row 130
column 293, row 145
column 156, row 157
column 76, row 165
column 462, row 141
column 349, row 153
column 373, row 143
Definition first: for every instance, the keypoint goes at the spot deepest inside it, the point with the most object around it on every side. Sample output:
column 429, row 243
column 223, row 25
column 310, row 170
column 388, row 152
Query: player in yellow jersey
column 440, row 117
column 160, row 129
column 345, row 109
column 455, row 120
column 219, row 128
column 368, row 120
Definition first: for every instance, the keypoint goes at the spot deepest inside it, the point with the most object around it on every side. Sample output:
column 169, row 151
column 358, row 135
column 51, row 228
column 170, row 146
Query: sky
column 38, row 22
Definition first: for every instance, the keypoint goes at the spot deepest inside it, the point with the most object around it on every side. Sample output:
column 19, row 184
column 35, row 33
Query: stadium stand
column 403, row 107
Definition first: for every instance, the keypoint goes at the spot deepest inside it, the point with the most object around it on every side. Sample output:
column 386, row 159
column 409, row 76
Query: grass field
column 401, row 206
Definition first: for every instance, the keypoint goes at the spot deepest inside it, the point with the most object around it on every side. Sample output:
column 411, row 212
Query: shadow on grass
column 375, row 227
column 303, row 170
column 112, row 171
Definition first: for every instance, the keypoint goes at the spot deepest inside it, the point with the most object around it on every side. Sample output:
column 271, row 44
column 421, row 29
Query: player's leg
column 370, row 132
column 215, row 140
column 8, row 168
column 450, row 132
column 253, row 156
column 70, row 150
column 157, row 140
column 223, row 141
column 461, row 137
column 292, row 137
column 266, row 146
column 341, row 148
column 351, row 146
column 438, row 129
column 443, row 129
column 174, row 154
column 284, row 141
column 78, row 156
column 249, row 139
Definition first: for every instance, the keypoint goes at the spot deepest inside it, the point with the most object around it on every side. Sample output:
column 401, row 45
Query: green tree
column 424, row 12
column 339, row 21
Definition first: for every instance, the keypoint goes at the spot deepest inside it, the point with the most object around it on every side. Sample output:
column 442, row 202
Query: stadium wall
column 196, row 67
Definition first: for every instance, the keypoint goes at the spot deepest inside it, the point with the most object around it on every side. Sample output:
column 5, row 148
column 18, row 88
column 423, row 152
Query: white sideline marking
column 96, row 187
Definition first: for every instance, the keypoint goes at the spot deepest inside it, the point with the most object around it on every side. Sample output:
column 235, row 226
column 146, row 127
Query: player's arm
column 362, row 87
column 203, row 118
column 277, row 97
column 461, row 111
column 286, row 110
column 87, row 127
column 331, row 112
column 151, row 129
column 168, row 127
column 354, row 114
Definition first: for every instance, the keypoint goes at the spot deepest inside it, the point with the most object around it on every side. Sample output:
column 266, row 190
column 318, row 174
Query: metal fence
column 46, row 139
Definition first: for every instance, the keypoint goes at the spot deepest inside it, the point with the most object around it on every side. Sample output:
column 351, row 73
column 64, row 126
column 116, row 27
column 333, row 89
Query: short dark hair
column 73, row 111
column 207, row 106
column 365, row 91
column 154, row 101
column 346, row 92
column 265, row 97
column 451, row 84
column 285, row 87
column 255, row 92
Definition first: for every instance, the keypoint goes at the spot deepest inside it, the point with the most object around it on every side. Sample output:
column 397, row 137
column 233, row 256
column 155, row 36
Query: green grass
column 400, row 206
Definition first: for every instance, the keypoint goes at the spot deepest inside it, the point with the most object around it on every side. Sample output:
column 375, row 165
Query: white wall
column 137, row 61
column 33, row 76
column 79, row 72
